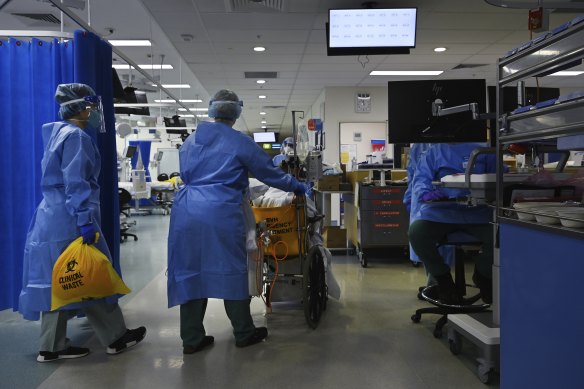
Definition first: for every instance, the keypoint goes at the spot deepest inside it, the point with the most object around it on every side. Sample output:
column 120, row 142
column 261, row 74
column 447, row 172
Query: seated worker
column 438, row 214
column 416, row 152
column 286, row 149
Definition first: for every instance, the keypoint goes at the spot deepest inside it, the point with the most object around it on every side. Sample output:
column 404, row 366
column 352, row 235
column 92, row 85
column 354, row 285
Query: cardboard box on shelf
column 356, row 176
column 328, row 183
column 335, row 237
column 398, row 174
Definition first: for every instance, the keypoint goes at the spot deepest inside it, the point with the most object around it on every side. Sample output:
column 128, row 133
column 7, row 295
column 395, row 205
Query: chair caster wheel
column 416, row 318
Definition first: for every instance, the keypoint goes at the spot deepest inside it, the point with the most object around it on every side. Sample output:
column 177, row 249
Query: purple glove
column 88, row 233
column 300, row 189
column 434, row 195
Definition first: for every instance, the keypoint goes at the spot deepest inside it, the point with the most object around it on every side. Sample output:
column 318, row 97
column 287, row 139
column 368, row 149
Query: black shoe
column 485, row 285
column 129, row 339
column 447, row 293
column 260, row 334
column 207, row 341
column 69, row 353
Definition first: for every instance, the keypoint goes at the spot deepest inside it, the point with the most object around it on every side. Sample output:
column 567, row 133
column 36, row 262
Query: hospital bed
column 290, row 262
column 158, row 194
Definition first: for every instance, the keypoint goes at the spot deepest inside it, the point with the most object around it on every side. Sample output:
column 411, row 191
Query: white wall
column 339, row 107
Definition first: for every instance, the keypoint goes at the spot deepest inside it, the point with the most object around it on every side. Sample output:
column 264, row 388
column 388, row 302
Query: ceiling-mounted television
column 412, row 106
column 371, row 31
column 264, row 137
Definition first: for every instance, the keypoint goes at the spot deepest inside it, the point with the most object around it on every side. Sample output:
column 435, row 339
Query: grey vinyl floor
column 365, row 338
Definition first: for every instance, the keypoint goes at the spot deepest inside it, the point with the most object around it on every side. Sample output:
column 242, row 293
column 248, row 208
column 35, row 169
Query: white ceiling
column 224, row 32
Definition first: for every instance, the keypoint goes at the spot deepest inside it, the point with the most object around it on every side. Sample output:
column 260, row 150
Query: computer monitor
column 264, row 137
column 411, row 107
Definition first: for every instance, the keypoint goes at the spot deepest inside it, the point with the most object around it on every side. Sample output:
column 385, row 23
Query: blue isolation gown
column 70, row 169
column 416, row 152
column 207, row 255
column 440, row 160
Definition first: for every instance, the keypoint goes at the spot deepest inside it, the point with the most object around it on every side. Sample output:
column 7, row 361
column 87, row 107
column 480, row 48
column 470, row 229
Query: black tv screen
column 411, row 104
column 371, row 31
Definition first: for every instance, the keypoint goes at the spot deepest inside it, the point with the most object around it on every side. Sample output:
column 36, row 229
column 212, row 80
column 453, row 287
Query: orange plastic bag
column 284, row 226
column 82, row 273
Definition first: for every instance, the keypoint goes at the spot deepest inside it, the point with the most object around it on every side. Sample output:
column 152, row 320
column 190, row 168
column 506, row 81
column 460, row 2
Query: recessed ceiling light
column 130, row 42
column 195, row 109
column 145, row 67
column 202, row 116
column 264, row 126
column 440, row 49
column 174, row 86
column 262, row 113
column 261, row 81
column 186, row 116
column 262, row 97
column 182, row 101
column 567, row 73
column 406, row 72
column 259, row 48
column 264, row 122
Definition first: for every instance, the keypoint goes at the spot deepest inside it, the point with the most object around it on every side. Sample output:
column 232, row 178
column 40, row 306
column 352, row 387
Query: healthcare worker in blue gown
column 207, row 255
column 287, row 149
column 438, row 214
column 70, row 208
column 447, row 252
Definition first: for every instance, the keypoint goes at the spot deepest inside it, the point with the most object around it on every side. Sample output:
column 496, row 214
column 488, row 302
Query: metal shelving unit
column 537, row 262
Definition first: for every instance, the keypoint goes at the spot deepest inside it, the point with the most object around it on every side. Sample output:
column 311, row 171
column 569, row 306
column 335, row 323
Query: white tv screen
column 372, row 28
column 264, row 137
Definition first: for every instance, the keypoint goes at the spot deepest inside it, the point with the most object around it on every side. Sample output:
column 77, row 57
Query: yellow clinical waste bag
column 284, row 226
column 82, row 273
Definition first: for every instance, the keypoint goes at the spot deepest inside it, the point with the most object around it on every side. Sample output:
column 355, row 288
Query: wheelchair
column 289, row 264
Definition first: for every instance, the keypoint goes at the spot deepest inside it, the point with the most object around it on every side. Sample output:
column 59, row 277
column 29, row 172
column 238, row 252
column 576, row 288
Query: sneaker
column 259, row 334
column 207, row 341
column 70, row 353
column 129, row 339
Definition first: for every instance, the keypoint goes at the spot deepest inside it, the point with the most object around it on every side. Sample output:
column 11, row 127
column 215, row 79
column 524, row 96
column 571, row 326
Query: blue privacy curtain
column 29, row 74
column 144, row 147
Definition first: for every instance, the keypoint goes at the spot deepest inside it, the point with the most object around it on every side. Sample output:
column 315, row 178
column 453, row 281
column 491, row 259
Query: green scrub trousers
column 192, row 314
column 106, row 320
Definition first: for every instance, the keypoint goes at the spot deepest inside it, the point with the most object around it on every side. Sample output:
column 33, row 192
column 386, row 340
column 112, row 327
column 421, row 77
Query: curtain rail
column 35, row 34
column 87, row 27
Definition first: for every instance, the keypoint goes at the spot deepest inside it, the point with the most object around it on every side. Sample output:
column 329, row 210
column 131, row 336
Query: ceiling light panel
column 130, row 42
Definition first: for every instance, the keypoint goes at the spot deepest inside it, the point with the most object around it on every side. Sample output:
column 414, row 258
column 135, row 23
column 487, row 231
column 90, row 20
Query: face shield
column 93, row 104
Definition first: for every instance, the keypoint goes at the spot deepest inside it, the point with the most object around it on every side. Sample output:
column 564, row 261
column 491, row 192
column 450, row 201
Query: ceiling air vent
column 39, row 17
column 255, row 5
column 469, row 66
column 261, row 74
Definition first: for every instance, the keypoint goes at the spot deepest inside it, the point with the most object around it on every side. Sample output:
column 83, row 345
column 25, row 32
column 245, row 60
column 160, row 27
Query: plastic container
column 572, row 213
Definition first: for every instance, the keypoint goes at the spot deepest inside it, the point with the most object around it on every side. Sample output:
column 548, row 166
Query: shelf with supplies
column 537, row 262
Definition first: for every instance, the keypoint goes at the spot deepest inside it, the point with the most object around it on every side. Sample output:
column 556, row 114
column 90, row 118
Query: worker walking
column 70, row 208
column 207, row 255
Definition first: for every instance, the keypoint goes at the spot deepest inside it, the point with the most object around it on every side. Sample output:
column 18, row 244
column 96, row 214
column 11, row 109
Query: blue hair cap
column 225, row 105
column 68, row 92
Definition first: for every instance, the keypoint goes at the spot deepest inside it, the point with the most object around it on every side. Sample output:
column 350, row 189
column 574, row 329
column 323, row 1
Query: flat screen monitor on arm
column 412, row 104
column 264, row 137
column 371, row 31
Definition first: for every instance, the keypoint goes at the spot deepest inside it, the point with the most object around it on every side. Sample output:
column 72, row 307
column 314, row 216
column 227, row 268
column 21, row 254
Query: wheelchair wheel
column 314, row 291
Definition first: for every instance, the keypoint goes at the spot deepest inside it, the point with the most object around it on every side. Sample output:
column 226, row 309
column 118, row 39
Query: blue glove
column 300, row 189
column 434, row 195
column 88, row 233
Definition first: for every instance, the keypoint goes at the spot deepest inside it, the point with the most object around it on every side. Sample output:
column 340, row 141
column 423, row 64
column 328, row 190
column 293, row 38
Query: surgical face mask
column 94, row 120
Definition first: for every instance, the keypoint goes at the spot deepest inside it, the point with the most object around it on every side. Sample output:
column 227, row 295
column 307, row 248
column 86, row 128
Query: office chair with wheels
column 125, row 207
